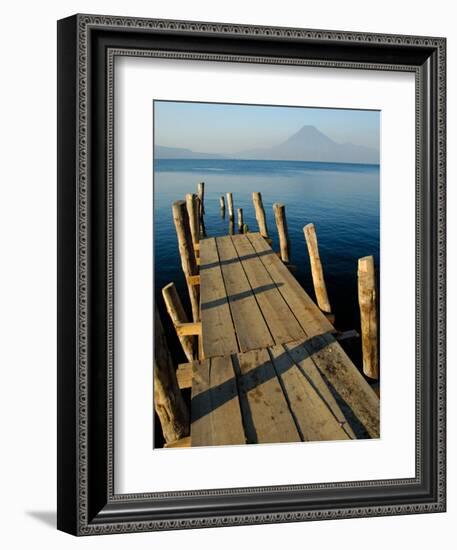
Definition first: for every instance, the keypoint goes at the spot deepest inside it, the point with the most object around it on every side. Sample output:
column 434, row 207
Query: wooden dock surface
column 270, row 368
column 249, row 299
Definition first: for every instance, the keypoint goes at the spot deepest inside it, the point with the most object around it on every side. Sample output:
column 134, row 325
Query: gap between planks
column 218, row 329
column 311, row 319
column 251, row 329
column 279, row 317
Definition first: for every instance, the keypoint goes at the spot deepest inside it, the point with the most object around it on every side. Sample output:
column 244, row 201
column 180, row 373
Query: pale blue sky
column 228, row 128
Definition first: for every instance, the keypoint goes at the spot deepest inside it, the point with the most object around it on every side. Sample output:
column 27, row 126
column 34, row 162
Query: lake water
column 342, row 200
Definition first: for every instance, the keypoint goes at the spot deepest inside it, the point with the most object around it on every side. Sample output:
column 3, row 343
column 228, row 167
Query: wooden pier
column 269, row 367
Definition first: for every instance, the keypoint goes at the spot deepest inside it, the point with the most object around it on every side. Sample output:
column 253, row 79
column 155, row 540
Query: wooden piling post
column 316, row 268
column 240, row 219
column 245, row 228
column 168, row 401
column 186, row 252
column 231, row 226
column 260, row 214
column 222, row 204
column 202, row 228
column 281, row 223
column 201, row 196
column 368, row 317
column 201, row 220
column 199, row 208
column 230, row 205
column 178, row 317
column 194, row 221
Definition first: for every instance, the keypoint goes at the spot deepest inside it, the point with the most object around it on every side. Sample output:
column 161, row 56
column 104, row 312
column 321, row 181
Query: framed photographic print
column 251, row 274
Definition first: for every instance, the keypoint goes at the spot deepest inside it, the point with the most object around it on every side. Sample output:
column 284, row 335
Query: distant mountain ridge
column 308, row 144
column 160, row 151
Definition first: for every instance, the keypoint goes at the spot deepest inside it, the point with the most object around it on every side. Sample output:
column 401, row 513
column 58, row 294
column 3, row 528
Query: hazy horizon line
column 267, row 160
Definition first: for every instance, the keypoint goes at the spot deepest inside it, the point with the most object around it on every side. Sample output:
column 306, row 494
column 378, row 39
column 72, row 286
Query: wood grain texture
column 299, row 353
column 194, row 218
column 250, row 326
column 193, row 280
column 282, row 323
column 286, row 392
column 268, row 418
column 189, row 329
column 168, row 401
column 260, row 213
column 216, row 416
column 240, row 219
column 342, row 374
column 186, row 252
column 178, row 316
column 230, row 205
column 184, row 375
column 317, row 271
column 311, row 319
column 368, row 316
column 313, row 415
column 218, row 331
column 283, row 234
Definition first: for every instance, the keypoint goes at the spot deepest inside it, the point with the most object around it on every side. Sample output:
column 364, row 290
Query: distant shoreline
column 234, row 159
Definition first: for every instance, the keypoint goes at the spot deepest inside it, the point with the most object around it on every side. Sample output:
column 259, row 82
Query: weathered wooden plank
column 189, row 329
column 218, row 332
column 282, row 323
column 303, row 359
column 250, row 327
column 313, row 415
column 184, row 375
column 227, row 421
column 193, row 280
column 267, row 417
column 311, row 319
column 343, row 375
column 215, row 410
column 200, row 406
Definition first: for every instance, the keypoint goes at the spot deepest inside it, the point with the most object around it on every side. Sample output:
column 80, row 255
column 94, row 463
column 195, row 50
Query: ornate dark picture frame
column 87, row 46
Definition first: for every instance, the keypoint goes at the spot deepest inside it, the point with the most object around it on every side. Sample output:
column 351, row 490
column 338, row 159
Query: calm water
column 342, row 200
